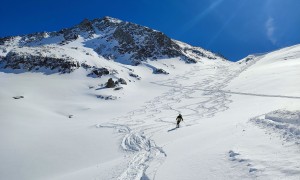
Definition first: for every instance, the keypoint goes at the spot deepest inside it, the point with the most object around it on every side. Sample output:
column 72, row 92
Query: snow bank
column 284, row 122
column 284, row 116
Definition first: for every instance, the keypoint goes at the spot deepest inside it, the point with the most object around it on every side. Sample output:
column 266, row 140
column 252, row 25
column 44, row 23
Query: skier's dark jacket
column 179, row 118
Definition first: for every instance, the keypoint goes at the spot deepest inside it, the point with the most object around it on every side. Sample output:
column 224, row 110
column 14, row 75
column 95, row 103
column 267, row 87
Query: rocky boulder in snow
column 135, row 76
column 160, row 71
column 100, row 72
column 110, row 83
column 122, row 81
column 109, row 97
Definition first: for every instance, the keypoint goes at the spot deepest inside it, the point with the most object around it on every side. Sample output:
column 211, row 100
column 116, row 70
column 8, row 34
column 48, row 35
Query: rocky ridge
column 110, row 38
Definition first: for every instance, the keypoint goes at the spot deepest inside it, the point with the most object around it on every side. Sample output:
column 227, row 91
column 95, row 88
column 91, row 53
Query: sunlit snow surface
column 237, row 121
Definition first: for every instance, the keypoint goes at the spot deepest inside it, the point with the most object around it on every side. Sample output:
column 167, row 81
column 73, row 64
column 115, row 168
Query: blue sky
column 234, row 28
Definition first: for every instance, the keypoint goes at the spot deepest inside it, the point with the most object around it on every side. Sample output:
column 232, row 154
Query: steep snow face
column 275, row 73
column 111, row 39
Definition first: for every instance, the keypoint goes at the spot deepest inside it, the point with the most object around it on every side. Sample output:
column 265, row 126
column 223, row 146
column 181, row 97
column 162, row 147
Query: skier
column 179, row 119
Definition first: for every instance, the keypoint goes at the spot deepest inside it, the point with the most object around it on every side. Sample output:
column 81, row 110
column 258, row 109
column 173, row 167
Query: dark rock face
column 122, row 81
column 110, row 83
column 100, row 71
column 5, row 39
column 27, row 61
column 123, row 37
column 71, row 34
column 160, row 71
column 86, row 26
column 143, row 43
column 135, row 76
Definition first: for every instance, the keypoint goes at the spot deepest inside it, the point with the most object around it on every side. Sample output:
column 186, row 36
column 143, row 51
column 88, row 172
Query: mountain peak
column 111, row 19
column 108, row 37
column 105, row 19
column 87, row 24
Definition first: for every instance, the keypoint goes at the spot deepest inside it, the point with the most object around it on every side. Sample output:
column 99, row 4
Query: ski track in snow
column 137, row 132
column 238, row 160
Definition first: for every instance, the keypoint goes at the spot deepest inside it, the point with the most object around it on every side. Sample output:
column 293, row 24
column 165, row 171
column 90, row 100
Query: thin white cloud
column 270, row 29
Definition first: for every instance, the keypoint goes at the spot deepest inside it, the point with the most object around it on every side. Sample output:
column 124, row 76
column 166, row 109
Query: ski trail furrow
column 137, row 131
column 146, row 152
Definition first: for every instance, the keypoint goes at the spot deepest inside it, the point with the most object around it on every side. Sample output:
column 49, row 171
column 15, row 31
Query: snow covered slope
column 276, row 73
column 59, row 121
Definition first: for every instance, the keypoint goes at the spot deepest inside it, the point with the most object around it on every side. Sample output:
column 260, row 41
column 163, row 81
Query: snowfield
column 241, row 120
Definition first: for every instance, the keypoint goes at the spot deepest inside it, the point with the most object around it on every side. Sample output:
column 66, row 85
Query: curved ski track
column 138, row 130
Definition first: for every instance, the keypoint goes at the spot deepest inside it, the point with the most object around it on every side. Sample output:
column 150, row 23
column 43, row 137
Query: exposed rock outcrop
column 34, row 61
column 110, row 83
